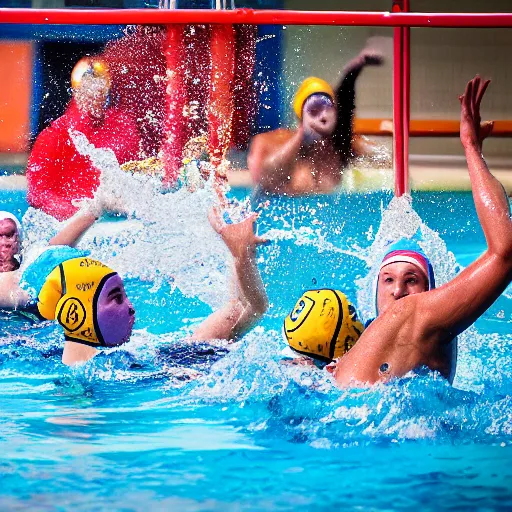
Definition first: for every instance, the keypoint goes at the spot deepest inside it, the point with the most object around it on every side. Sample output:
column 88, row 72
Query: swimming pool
column 131, row 431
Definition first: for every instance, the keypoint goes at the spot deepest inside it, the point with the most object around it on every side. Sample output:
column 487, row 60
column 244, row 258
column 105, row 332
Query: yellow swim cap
column 70, row 296
column 323, row 324
column 311, row 85
column 94, row 66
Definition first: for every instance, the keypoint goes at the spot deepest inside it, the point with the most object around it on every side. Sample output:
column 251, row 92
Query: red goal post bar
column 253, row 17
column 400, row 19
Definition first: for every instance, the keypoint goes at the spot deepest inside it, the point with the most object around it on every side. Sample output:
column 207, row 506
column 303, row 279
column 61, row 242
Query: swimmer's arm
column 243, row 310
column 249, row 301
column 74, row 229
column 269, row 161
column 459, row 303
column 490, row 198
column 346, row 100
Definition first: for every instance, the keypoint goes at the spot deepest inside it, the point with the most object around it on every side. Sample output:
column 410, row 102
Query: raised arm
column 459, row 303
column 249, row 300
column 74, row 229
column 346, row 100
column 488, row 193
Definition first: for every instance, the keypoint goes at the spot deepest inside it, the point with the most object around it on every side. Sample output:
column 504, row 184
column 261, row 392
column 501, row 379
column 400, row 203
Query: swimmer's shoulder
column 274, row 137
column 402, row 319
column 415, row 319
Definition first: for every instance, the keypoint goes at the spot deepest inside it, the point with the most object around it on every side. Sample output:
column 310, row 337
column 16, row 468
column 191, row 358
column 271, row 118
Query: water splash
column 172, row 242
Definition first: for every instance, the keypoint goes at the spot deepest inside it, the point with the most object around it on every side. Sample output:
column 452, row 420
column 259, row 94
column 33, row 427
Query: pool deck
column 427, row 173
column 356, row 180
column 15, row 182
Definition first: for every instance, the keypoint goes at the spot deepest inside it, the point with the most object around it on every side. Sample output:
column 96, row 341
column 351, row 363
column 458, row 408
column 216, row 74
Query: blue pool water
column 131, row 430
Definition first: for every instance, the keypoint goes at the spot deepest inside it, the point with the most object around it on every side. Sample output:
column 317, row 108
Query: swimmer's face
column 398, row 280
column 115, row 313
column 319, row 116
column 9, row 240
column 91, row 95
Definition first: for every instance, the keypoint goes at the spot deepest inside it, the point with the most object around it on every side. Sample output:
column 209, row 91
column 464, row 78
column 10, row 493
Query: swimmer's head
column 90, row 80
column 309, row 87
column 319, row 117
column 88, row 300
column 322, row 325
column 405, row 270
column 10, row 242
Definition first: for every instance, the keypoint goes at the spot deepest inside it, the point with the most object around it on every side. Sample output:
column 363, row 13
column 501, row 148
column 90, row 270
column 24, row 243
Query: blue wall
column 268, row 70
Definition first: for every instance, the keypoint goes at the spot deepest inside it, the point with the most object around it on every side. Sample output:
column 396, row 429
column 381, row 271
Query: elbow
column 258, row 307
column 503, row 249
column 506, row 253
column 262, row 307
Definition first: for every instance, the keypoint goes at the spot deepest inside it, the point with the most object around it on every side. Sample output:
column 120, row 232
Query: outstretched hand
column 367, row 57
column 472, row 130
column 371, row 57
column 239, row 238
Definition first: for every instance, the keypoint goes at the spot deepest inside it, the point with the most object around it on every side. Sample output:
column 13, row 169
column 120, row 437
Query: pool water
column 136, row 429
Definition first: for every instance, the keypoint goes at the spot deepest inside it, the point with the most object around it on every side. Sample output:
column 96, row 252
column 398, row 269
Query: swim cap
column 308, row 87
column 94, row 66
column 408, row 251
column 323, row 325
column 9, row 216
column 71, row 294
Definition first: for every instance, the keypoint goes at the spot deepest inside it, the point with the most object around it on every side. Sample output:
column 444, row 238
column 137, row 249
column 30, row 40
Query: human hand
column 472, row 130
column 239, row 238
column 367, row 57
column 371, row 57
column 309, row 134
column 109, row 199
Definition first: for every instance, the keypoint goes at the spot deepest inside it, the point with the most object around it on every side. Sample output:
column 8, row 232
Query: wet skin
column 115, row 313
column 9, row 245
column 398, row 280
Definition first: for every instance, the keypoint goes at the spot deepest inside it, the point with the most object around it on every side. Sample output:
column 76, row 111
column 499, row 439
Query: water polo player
column 89, row 301
column 57, row 174
column 59, row 282
column 311, row 158
column 404, row 270
column 416, row 322
column 323, row 326
column 10, row 242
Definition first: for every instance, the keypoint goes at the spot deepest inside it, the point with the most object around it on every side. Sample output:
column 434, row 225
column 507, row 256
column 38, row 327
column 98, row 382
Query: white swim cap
column 8, row 215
